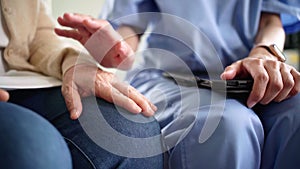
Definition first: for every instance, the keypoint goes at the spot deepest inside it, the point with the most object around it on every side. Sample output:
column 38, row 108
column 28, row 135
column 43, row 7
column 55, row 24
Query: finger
column 148, row 108
column 296, row 88
column 63, row 22
column 261, row 79
column 288, row 83
column 109, row 93
column 81, row 35
column 4, row 95
column 93, row 25
column 275, row 84
column 72, row 20
column 84, row 32
column 68, row 33
column 72, row 99
column 125, row 102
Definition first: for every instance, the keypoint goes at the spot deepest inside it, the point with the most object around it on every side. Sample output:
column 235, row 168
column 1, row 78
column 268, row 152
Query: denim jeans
column 85, row 151
column 29, row 141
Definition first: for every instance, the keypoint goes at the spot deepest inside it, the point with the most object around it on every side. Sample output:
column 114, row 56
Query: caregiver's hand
column 84, row 80
column 99, row 38
column 273, row 80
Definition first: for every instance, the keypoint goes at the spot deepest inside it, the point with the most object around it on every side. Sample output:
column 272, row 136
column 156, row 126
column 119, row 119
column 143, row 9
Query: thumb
column 73, row 101
column 230, row 71
column 4, row 95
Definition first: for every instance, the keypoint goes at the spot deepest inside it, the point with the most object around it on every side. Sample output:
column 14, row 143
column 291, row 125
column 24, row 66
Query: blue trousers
column 205, row 129
column 29, row 141
column 47, row 140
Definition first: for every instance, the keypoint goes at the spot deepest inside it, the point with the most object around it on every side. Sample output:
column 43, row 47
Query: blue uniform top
column 201, row 33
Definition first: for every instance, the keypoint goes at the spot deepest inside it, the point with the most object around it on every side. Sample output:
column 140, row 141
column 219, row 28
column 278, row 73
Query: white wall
column 90, row 7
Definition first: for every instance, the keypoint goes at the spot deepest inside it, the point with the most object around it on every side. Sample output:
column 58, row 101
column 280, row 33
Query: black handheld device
column 229, row 86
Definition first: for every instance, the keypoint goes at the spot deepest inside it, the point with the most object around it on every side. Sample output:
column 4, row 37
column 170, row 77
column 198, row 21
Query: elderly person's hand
column 99, row 38
column 273, row 80
column 4, row 96
column 84, row 80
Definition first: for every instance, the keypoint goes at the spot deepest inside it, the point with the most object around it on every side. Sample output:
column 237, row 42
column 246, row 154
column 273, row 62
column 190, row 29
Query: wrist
column 271, row 52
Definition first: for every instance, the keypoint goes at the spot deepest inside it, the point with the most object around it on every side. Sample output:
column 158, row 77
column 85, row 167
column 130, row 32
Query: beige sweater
column 33, row 44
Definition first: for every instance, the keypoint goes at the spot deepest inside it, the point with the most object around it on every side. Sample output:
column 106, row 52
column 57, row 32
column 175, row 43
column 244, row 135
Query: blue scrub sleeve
column 135, row 13
column 289, row 10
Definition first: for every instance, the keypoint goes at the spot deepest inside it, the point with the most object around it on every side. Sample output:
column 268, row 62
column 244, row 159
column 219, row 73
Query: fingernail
column 150, row 110
column 137, row 109
column 222, row 76
column 251, row 104
column 154, row 108
column 74, row 114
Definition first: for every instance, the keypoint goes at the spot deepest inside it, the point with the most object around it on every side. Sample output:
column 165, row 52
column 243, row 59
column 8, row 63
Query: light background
column 90, row 7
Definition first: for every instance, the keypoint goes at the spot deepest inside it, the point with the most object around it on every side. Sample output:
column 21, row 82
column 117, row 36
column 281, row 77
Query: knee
column 231, row 121
column 238, row 120
column 285, row 114
column 237, row 116
column 27, row 139
column 124, row 122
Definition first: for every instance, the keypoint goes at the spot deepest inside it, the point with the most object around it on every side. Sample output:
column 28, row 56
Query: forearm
column 270, row 30
column 49, row 54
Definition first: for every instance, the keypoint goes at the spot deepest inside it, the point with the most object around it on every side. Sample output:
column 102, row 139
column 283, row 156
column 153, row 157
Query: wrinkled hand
column 273, row 80
column 84, row 80
column 4, row 96
column 99, row 38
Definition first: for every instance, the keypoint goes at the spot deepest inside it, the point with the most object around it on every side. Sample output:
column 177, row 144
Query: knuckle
column 272, row 63
column 129, row 89
column 262, row 77
column 102, row 84
column 277, row 85
column 289, row 83
column 259, row 62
